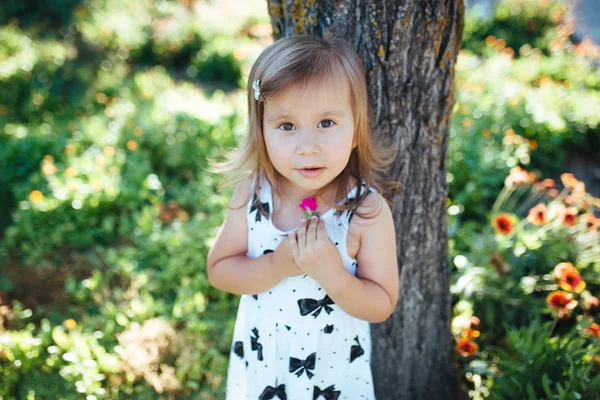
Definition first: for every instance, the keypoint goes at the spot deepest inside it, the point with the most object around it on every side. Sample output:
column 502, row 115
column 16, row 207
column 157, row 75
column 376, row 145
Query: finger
column 301, row 235
column 293, row 245
column 311, row 234
column 321, row 231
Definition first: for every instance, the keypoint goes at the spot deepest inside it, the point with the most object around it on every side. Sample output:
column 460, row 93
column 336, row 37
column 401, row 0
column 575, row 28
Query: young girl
column 309, row 288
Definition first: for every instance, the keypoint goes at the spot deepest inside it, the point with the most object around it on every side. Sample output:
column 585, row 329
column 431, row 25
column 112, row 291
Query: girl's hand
column 314, row 252
column 284, row 262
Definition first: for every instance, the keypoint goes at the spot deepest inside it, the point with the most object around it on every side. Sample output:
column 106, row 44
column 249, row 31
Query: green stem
column 504, row 194
column 553, row 325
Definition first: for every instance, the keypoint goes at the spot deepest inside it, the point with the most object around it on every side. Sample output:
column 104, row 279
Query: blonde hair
column 300, row 60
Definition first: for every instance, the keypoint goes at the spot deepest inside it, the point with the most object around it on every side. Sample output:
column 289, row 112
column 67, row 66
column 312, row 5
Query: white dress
column 292, row 342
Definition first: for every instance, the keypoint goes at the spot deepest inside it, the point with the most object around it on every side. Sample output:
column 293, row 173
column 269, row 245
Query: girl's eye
column 286, row 124
column 331, row 123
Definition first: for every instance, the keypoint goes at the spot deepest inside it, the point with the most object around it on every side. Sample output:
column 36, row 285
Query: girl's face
column 309, row 126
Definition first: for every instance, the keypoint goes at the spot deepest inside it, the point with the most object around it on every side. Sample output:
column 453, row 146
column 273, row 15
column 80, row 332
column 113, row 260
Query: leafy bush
column 517, row 270
column 517, row 23
column 537, row 365
column 108, row 113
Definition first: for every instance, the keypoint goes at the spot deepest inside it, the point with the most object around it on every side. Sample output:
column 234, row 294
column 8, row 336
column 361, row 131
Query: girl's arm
column 228, row 266
column 373, row 293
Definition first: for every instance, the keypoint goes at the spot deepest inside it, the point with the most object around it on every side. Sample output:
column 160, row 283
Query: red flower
column 537, row 215
column 503, row 224
column 466, row 347
column 309, row 205
column 569, row 216
column 561, row 301
column 568, row 277
column 591, row 222
column 593, row 329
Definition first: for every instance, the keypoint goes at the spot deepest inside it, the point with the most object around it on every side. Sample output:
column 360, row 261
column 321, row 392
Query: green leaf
column 546, row 385
column 530, row 392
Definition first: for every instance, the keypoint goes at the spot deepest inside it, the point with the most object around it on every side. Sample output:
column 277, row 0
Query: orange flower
column 503, row 224
column 562, row 302
column 548, row 184
column 109, row 151
column 579, row 189
column 71, row 172
column 69, row 148
column 35, row 196
column 466, row 347
column 490, row 40
column 591, row 304
column 48, row 169
column 591, row 222
column 70, row 323
column 569, row 180
column 569, row 216
column 568, row 277
column 593, row 330
column 132, row 145
column 537, row 215
column 519, row 176
column 471, row 334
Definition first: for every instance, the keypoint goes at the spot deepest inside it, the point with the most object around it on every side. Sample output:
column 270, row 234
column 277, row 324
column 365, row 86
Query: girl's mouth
column 311, row 172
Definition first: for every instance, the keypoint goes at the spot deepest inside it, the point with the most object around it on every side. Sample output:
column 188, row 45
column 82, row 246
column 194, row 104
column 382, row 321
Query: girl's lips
column 311, row 173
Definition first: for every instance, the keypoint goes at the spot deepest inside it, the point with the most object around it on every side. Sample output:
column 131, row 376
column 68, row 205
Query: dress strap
column 261, row 197
column 346, row 216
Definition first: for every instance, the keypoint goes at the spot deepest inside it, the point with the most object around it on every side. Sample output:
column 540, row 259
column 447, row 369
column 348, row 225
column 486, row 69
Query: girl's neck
column 294, row 196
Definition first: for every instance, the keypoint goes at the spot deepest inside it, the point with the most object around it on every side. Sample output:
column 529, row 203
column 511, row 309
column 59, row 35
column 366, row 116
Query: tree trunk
column 409, row 50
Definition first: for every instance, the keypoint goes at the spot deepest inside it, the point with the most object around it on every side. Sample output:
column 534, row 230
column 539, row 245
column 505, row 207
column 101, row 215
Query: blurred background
column 108, row 112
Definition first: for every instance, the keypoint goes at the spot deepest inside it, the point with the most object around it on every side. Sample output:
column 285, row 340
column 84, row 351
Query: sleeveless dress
column 292, row 342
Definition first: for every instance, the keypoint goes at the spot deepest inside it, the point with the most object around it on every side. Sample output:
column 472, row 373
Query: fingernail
column 313, row 218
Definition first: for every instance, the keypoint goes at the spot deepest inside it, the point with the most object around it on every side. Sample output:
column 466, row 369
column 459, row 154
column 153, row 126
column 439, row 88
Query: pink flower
column 309, row 205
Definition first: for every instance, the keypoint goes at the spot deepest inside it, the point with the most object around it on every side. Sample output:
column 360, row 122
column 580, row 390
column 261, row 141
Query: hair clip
column 256, row 88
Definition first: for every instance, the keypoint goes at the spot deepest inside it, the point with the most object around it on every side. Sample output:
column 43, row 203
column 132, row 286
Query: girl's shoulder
column 232, row 237
column 370, row 208
column 242, row 192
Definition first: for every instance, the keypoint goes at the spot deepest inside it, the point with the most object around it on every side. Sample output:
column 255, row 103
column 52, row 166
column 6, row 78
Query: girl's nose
column 307, row 148
column 308, row 144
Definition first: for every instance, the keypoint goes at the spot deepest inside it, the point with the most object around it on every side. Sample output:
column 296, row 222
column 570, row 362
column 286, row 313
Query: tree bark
column 409, row 50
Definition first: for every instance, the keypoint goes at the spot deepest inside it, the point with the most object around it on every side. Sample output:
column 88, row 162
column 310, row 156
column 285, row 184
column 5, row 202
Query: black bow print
column 238, row 349
column 309, row 305
column 328, row 329
column 255, row 345
column 328, row 393
column 303, row 365
column 254, row 206
column 270, row 392
column 356, row 350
